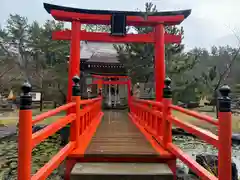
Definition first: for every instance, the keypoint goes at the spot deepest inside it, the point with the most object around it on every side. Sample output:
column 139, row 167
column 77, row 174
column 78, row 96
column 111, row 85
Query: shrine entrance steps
column 119, row 150
column 121, row 171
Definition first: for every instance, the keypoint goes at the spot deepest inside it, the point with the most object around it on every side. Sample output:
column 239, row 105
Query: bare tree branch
column 227, row 71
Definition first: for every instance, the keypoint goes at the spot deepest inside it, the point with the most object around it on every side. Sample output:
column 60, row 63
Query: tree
column 139, row 59
column 13, row 41
column 223, row 59
column 51, row 71
column 37, row 57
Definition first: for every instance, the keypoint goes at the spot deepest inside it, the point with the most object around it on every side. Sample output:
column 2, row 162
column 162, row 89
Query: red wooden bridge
column 128, row 145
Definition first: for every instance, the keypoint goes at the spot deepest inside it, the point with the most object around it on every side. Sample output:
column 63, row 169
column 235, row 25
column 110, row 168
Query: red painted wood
column 172, row 164
column 129, row 85
column 105, row 19
column 89, row 101
column 159, row 61
column 106, row 76
column 52, row 112
column 106, row 37
column 159, row 105
column 24, row 144
column 166, row 125
column 87, row 135
column 47, row 169
column 115, row 82
column 69, row 165
column 162, row 152
column 74, row 61
column 44, row 133
column 195, row 114
column 199, row 132
column 192, row 164
column 225, row 146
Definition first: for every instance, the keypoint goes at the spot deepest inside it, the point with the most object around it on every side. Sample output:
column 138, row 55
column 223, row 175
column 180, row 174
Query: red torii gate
column 118, row 21
column 84, row 126
column 125, row 80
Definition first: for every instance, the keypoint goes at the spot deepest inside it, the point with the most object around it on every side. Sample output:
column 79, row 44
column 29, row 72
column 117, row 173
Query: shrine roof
column 50, row 7
column 99, row 53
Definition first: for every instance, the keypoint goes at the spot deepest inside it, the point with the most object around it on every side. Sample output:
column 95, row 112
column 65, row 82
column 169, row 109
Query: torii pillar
column 74, row 61
column 159, row 63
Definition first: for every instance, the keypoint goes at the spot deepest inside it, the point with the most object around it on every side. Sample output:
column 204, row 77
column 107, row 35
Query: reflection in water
column 115, row 116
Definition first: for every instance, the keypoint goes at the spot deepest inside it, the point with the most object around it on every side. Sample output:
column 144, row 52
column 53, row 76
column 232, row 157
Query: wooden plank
column 117, row 136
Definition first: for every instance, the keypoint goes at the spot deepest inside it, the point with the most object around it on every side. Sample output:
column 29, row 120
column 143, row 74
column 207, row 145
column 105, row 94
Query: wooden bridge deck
column 118, row 137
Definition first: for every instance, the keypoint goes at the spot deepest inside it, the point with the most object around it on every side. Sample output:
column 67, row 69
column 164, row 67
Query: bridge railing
column 83, row 113
column 149, row 115
column 157, row 119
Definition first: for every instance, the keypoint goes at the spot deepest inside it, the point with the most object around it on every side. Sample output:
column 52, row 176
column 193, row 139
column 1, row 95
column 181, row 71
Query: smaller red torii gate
column 125, row 80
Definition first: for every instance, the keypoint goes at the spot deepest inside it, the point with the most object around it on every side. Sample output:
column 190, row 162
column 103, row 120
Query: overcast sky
column 212, row 22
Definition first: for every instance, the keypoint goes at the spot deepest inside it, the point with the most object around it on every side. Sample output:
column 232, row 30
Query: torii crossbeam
column 118, row 20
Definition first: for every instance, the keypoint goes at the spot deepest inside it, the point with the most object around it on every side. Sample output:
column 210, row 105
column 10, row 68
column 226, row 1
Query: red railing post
column 155, row 122
column 76, row 93
column 225, row 135
column 166, row 128
column 25, row 134
column 129, row 94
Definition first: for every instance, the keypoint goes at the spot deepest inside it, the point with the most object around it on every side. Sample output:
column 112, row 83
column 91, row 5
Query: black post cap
column 224, row 102
column 76, row 87
column 76, row 79
column 26, row 98
column 26, row 88
column 167, row 81
column 167, row 91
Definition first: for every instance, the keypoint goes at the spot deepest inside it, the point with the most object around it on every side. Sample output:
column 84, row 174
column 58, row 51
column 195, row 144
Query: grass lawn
column 13, row 121
column 179, row 115
column 206, row 125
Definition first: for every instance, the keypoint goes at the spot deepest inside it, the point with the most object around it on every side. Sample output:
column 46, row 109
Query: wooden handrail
column 199, row 132
column 44, row 133
column 222, row 141
column 52, row 112
column 154, row 103
column 47, row 169
column 197, row 115
column 192, row 164
column 27, row 140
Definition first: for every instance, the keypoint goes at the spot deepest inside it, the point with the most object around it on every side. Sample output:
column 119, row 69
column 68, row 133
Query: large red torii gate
column 153, row 119
column 118, row 21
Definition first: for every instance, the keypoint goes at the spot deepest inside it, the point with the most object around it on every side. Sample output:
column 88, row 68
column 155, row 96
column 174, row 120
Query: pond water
column 193, row 146
column 42, row 153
